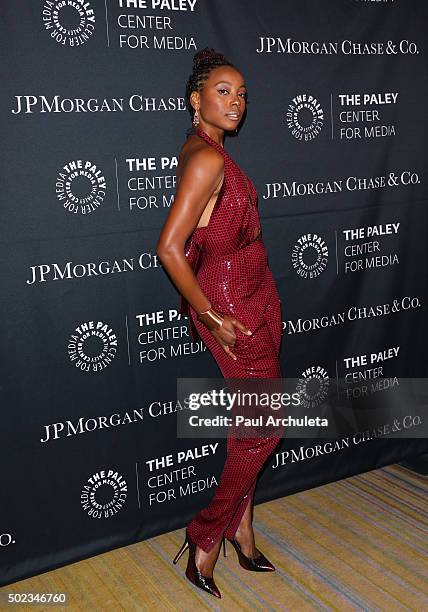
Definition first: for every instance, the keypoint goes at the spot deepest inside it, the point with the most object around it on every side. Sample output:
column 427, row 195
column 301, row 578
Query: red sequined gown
column 230, row 262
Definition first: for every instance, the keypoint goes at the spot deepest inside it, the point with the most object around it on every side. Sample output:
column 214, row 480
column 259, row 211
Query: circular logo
column 92, row 346
column 80, row 187
column 104, row 494
column 309, row 256
column 304, row 117
column 313, row 387
column 69, row 22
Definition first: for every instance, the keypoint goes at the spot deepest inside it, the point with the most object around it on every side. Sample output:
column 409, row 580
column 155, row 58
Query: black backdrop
column 93, row 116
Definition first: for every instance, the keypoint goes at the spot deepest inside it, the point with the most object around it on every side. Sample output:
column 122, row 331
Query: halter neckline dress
column 229, row 259
column 230, row 262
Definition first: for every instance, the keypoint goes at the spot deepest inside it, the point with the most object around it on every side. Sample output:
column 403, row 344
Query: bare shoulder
column 199, row 157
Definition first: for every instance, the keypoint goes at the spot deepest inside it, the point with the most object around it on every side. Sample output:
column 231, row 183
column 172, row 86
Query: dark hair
column 204, row 61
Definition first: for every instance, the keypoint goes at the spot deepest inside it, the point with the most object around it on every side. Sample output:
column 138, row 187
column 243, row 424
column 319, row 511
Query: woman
column 211, row 246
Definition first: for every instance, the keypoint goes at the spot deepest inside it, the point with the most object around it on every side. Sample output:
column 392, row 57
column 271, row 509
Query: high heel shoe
column 192, row 573
column 259, row 564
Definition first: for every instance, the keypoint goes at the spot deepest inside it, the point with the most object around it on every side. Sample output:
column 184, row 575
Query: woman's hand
column 225, row 334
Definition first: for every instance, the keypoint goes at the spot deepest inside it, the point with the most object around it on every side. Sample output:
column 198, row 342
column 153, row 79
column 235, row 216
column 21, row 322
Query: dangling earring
column 196, row 118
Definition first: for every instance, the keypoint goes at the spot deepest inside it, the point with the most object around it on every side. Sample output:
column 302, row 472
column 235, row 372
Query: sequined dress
column 229, row 259
column 230, row 262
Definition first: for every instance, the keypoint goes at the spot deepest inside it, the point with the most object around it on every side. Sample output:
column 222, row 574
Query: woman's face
column 222, row 100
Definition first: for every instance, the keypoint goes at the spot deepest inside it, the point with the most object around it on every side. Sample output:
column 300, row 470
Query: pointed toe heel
column 259, row 564
column 192, row 573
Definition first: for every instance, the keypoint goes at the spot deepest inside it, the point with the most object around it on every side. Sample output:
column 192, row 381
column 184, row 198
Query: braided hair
column 204, row 61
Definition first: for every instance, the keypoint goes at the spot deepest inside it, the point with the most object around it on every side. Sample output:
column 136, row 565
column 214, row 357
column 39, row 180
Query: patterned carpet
column 357, row 544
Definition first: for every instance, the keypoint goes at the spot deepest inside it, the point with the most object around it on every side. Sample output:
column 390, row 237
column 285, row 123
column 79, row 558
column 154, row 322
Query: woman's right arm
column 201, row 175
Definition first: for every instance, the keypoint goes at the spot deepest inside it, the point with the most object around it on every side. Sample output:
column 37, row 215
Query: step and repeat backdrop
column 93, row 117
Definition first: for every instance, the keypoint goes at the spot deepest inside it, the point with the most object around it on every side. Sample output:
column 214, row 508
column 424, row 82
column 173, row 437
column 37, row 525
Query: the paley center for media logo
column 92, row 346
column 80, row 186
column 69, row 22
column 304, row 117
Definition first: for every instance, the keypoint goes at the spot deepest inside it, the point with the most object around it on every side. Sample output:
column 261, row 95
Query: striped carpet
column 357, row 544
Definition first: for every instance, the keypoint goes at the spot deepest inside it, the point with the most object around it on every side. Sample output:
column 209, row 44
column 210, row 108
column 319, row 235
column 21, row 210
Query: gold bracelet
column 201, row 313
column 216, row 318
